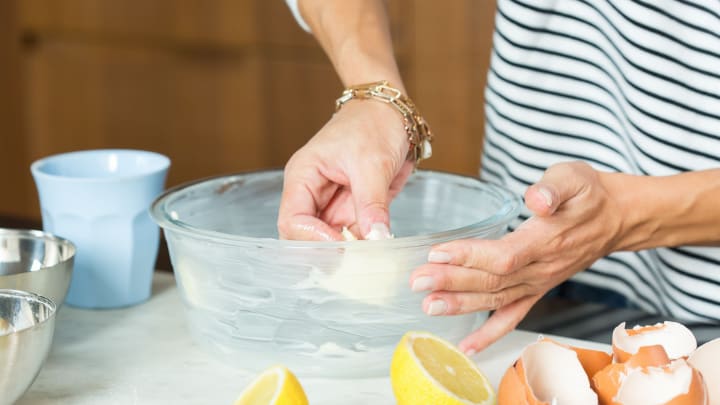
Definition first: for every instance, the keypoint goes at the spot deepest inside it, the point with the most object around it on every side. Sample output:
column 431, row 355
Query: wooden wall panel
column 299, row 99
column 451, row 61
column 200, row 110
column 160, row 22
column 15, row 180
column 218, row 85
column 278, row 27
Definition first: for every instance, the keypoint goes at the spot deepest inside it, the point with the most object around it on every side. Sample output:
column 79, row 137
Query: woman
column 605, row 114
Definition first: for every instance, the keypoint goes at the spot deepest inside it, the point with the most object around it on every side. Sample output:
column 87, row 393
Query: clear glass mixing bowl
column 334, row 309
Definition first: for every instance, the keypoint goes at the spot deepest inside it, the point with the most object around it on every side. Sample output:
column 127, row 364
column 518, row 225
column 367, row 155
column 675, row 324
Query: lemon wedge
column 428, row 370
column 275, row 386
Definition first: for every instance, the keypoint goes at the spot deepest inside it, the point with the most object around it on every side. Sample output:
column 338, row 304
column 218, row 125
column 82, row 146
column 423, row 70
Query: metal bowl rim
column 43, row 235
column 19, row 294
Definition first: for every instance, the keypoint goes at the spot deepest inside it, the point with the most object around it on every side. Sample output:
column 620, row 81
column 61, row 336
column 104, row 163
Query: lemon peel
column 274, row 386
column 426, row 369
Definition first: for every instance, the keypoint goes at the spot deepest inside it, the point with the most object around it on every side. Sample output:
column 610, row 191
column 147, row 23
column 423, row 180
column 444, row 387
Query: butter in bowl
column 324, row 309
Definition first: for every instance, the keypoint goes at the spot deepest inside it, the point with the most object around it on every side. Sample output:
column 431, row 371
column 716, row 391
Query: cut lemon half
column 275, row 386
column 428, row 370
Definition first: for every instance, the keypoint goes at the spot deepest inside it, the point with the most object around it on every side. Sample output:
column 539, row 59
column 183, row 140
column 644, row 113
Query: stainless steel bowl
column 36, row 262
column 27, row 324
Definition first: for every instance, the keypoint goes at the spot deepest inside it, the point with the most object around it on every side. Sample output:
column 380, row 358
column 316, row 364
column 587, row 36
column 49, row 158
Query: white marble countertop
column 144, row 355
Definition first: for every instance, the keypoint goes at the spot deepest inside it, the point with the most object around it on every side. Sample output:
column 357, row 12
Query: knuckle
column 569, row 165
column 468, row 303
column 497, row 300
column 380, row 163
column 505, row 257
column 560, row 243
column 576, row 168
column 471, row 254
column 491, row 283
column 579, row 165
column 525, row 290
column 443, row 281
column 506, row 263
column 455, row 306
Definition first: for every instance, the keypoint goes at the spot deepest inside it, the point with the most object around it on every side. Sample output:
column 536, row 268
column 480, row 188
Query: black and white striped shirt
column 627, row 86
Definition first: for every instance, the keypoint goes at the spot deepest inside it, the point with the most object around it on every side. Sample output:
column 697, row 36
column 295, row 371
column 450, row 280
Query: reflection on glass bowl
column 334, row 309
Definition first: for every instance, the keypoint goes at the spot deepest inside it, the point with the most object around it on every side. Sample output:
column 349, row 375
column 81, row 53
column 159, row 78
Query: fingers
column 514, row 251
column 499, row 324
column 559, row 183
column 297, row 217
column 456, row 303
column 445, row 277
column 346, row 174
column 511, row 274
column 308, row 227
column 370, row 184
column 402, row 177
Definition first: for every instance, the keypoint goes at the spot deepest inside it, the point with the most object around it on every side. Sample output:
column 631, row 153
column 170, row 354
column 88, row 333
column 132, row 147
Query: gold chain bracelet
column 417, row 129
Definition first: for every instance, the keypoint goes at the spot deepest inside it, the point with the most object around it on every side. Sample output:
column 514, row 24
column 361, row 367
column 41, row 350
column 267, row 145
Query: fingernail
column 378, row 231
column 470, row 352
column 437, row 256
column 424, row 283
column 437, row 307
column 547, row 195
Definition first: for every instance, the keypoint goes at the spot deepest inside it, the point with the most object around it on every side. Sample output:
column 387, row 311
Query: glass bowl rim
column 510, row 208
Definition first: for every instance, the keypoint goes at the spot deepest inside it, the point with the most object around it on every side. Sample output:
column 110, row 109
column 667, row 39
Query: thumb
column 559, row 183
column 371, row 195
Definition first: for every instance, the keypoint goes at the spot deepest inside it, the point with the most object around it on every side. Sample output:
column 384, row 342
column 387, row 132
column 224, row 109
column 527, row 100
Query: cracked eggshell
column 513, row 388
column 706, row 359
column 548, row 372
column 649, row 377
column 592, row 360
column 677, row 340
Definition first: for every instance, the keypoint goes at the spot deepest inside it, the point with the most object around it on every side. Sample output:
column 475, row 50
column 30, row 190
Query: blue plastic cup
column 100, row 199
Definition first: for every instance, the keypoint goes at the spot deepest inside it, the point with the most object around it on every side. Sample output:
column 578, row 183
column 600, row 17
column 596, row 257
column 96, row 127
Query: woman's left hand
column 576, row 221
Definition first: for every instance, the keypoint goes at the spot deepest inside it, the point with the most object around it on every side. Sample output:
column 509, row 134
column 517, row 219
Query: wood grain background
column 219, row 86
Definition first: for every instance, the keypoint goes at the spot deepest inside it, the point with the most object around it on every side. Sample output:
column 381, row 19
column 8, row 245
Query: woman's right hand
column 346, row 175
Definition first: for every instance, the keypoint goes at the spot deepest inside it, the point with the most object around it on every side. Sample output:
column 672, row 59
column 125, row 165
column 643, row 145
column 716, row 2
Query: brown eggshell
column 706, row 359
column 510, row 390
column 676, row 338
column 592, row 360
column 696, row 395
column 608, row 382
column 644, row 329
column 649, row 356
column 513, row 389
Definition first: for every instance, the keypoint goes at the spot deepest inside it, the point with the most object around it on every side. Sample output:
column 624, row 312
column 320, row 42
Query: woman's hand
column 576, row 221
column 346, row 175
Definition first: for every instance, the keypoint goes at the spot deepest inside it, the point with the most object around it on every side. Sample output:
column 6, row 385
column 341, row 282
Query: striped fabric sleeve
column 627, row 86
column 295, row 9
